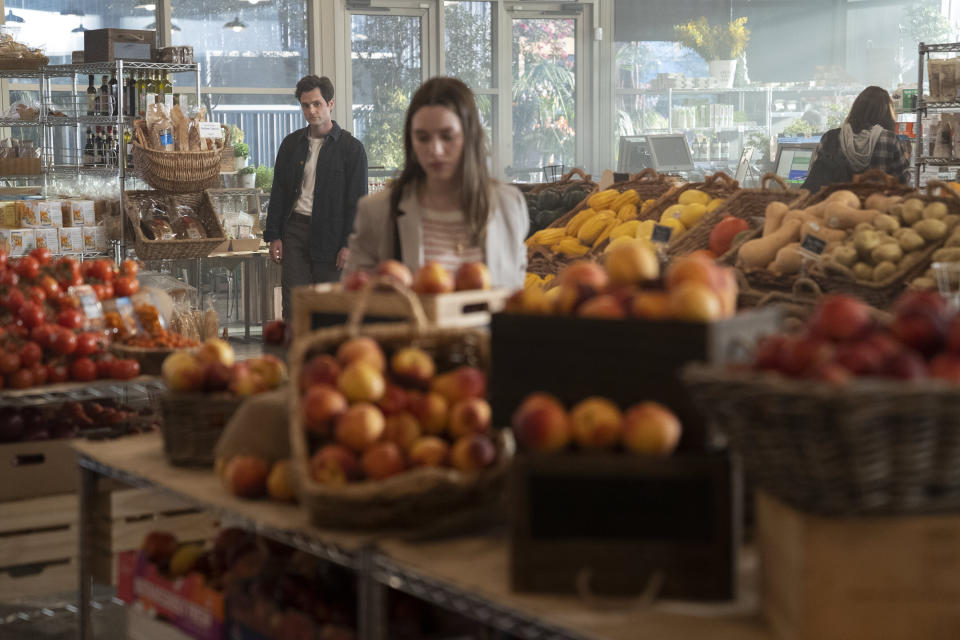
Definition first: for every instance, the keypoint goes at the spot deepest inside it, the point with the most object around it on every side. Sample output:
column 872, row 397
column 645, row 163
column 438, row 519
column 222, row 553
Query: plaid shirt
column 888, row 156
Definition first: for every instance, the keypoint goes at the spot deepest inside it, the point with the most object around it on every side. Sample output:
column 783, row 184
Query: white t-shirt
column 305, row 201
column 446, row 239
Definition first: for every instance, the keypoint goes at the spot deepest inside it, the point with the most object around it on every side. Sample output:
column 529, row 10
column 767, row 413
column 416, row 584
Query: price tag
column 620, row 177
column 88, row 302
column 210, row 130
column 813, row 245
column 661, row 233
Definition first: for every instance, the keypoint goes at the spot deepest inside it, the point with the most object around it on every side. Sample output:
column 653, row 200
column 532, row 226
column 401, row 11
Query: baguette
column 193, row 139
column 180, row 129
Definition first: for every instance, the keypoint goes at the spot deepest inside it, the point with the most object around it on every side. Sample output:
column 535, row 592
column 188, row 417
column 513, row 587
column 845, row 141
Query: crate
column 107, row 45
column 626, row 361
column 35, row 469
column 325, row 305
column 621, row 524
column 38, row 546
column 895, row 578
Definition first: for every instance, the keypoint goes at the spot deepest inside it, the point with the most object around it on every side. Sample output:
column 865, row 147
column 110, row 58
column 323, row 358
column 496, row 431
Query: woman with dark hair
column 867, row 140
column 444, row 207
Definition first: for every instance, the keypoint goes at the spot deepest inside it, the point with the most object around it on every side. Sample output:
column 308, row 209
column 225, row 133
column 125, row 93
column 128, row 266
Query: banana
column 593, row 227
column 573, row 226
column 602, row 199
column 629, row 196
column 626, row 212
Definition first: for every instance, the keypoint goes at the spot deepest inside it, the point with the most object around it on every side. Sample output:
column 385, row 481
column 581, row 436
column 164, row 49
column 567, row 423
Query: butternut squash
column 788, row 260
column 840, row 216
column 773, row 217
column 881, row 202
column 817, row 229
column 759, row 252
column 844, row 197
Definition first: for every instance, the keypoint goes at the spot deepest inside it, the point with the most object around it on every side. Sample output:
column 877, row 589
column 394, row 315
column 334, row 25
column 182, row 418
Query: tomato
column 99, row 290
column 107, row 290
column 57, row 372
column 40, row 374
column 13, row 300
column 130, row 268
column 105, row 365
column 18, row 330
column 41, row 255
column 31, row 314
column 85, row 268
column 38, row 295
column 87, row 344
column 3, row 259
column 125, row 369
column 21, row 379
column 30, row 354
column 83, row 370
column 27, row 267
column 71, row 319
column 64, row 341
column 103, row 270
column 9, row 278
column 49, row 284
column 9, row 362
column 126, row 286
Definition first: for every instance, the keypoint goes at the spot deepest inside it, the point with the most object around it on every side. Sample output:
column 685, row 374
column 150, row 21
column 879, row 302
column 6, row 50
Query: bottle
column 104, row 109
column 89, row 154
column 151, row 90
column 91, row 97
column 98, row 147
column 141, row 95
column 168, row 97
column 110, row 146
column 128, row 147
column 114, row 96
column 157, row 87
column 130, row 109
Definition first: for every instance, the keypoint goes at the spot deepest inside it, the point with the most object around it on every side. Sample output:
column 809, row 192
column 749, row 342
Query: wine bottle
column 104, row 109
column 128, row 147
column 141, row 95
column 168, row 98
column 130, row 108
column 98, row 147
column 91, row 98
column 89, row 154
column 110, row 146
column 151, row 90
column 114, row 96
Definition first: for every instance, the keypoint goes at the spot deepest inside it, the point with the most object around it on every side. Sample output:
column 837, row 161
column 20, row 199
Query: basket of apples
column 391, row 426
column 204, row 388
column 851, row 415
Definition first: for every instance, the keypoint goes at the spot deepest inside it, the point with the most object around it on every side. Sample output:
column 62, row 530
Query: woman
column 444, row 207
column 867, row 140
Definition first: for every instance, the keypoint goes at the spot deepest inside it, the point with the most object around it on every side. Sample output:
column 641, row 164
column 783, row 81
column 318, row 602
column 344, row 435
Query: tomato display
column 125, row 286
column 83, row 370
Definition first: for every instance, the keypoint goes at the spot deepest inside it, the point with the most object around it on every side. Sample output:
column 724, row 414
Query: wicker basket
column 864, row 184
column 717, row 185
column 151, row 360
column 423, row 498
column 179, row 171
column 192, row 424
column 148, row 249
column 566, row 180
column 873, row 446
column 747, row 204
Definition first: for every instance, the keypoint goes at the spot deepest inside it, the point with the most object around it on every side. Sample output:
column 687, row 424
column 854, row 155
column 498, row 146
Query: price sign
column 813, row 245
column 620, row 177
column 661, row 233
column 210, row 130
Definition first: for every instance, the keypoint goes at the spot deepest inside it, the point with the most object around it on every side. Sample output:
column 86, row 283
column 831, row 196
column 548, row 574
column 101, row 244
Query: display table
column 465, row 575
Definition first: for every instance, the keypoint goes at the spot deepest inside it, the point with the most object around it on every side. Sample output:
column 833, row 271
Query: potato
column 935, row 211
column 910, row 240
column 931, row 229
column 953, row 240
column 924, row 284
column 912, row 210
column 947, row 254
column 883, row 271
column 846, row 255
column 952, row 220
column 885, row 222
column 901, row 231
column 863, row 226
column 866, row 241
column 863, row 271
column 887, row 252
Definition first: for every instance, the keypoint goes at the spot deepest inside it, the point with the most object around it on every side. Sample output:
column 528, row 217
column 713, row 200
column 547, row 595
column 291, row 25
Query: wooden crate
column 880, row 578
column 617, row 523
column 626, row 361
column 324, row 305
column 38, row 546
column 35, row 469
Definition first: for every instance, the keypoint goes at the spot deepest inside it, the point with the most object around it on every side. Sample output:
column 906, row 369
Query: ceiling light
column 147, row 6
column 235, row 24
column 153, row 25
column 72, row 11
column 256, row 1
column 79, row 29
column 11, row 17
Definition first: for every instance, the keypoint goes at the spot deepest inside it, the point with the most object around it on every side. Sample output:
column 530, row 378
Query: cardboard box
column 51, row 216
column 36, row 469
column 895, row 578
column 107, row 45
column 9, row 216
column 49, row 238
column 21, row 241
column 30, row 214
column 71, row 240
column 245, row 244
column 82, row 214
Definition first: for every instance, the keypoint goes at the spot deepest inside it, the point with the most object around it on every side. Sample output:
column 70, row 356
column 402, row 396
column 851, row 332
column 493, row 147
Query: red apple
column 860, row 358
column 334, row 464
column 923, row 331
column 805, row 354
column 397, row 271
column 432, row 278
column 322, row 369
column 953, row 336
column 831, row 372
column 322, row 405
column 356, row 281
column 905, row 365
column 394, row 400
column 946, row 367
column 840, row 317
column 472, row 275
column 770, row 353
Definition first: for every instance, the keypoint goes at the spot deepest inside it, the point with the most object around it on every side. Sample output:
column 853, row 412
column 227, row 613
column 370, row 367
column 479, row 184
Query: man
column 320, row 173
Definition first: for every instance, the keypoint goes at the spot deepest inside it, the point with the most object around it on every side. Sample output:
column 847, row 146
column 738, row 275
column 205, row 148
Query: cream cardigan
column 372, row 240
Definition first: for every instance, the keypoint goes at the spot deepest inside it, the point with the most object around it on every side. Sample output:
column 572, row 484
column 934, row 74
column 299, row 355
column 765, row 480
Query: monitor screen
column 670, row 152
column 793, row 162
column 634, row 154
column 744, row 165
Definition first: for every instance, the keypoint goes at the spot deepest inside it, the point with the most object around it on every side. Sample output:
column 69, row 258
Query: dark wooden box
column 627, row 361
column 621, row 524
column 107, row 45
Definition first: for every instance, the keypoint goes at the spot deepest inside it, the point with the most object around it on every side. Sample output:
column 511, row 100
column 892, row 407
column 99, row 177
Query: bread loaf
column 180, row 129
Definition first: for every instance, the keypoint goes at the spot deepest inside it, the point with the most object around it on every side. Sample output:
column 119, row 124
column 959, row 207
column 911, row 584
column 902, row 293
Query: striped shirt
column 446, row 240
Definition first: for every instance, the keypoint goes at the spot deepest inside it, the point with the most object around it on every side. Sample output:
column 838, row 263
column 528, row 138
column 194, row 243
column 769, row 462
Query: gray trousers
column 297, row 268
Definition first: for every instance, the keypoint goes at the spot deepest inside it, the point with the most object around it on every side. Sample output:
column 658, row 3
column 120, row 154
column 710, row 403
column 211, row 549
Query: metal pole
column 87, row 506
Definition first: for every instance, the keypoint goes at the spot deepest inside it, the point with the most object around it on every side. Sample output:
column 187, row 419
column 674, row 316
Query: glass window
column 265, row 120
column 544, row 92
column 469, row 42
column 386, row 67
column 261, row 44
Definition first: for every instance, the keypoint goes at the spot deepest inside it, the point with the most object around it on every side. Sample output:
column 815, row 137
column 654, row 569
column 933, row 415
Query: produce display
column 430, row 279
column 549, row 203
column 70, row 419
column 154, row 334
column 691, row 206
column 542, row 424
column 213, row 367
column 694, row 288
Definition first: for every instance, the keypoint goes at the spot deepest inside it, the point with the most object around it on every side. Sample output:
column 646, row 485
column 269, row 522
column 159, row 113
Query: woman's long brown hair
column 475, row 179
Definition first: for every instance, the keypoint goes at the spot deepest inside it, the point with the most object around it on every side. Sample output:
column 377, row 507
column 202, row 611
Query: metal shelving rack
column 924, row 107
column 40, row 122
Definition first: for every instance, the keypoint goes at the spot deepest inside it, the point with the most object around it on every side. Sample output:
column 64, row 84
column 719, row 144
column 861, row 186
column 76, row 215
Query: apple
column 654, row 305
column 182, row 372
column 568, row 297
column 694, row 302
column 321, row 369
column 402, row 429
column 432, row 278
column 471, row 415
column 397, row 271
column 462, row 382
column 394, row 400
column 334, row 464
column 430, row 409
column 216, row 376
column 275, row 332
column 321, row 406
column 473, row 453
column 360, row 426
column 921, row 302
column 839, row 317
column 360, row 382
column 280, row 482
column 540, row 423
column 356, row 281
column 650, row 428
column 860, row 358
column 770, row 353
column 246, row 476
column 632, row 263
column 429, row 451
column 805, row 353
column 584, row 273
column 528, row 300
column 953, row 336
column 922, row 330
column 596, row 423
column 946, row 366
column 602, row 306
column 246, row 382
column 831, row 372
column 382, row 460
column 413, row 366
column 471, row 276
column 361, row 348
column 216, row 350
column 159, row 546
column 905, row 365
column 271, row 368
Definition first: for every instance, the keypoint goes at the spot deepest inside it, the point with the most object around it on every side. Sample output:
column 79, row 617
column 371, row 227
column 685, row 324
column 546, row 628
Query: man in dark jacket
column 320, row 173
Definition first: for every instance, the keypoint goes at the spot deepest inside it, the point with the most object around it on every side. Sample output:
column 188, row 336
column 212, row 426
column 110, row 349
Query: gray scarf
column 858, row 147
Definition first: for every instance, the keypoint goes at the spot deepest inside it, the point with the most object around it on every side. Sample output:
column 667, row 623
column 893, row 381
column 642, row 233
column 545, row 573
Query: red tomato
column 64, row 342
column 21, row 379
column 31, row 314
column 71, row 319
column 40, row 334
column 131, row 268
column 3, row 259
column 30, row 354
column 99, row 290
column 87, row 344
column 18, row 330
column 125, row 286
column 83, row 370
column 27, row 267
column 9, row 277
column 40, row 374
column 85, row 268
column 9, row 362
column 41, row 255
column 107, row 290
column 57, row 373
column 13, row 300
column 125, row 369
column 103, row 270
column 38, row 295
column 105, row 365
column 49, row 285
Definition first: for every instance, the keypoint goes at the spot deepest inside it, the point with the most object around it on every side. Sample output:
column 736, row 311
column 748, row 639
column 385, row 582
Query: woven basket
column 173, row 249
column 717, row 185
column 747, row 204
column 192, row 424
column 864, row 184
column 871, row 447
column 178, row 171
column 150, row 359
column 422, row 498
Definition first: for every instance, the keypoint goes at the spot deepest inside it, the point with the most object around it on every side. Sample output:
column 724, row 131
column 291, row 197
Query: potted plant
column 264, row 179
column 720, row 45
column 248, row 176
column 240, row 152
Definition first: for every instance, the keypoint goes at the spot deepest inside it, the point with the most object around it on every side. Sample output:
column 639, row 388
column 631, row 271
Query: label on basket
column 661, row 233
column 210, row 130
column 813, row 245
column 86, row 300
